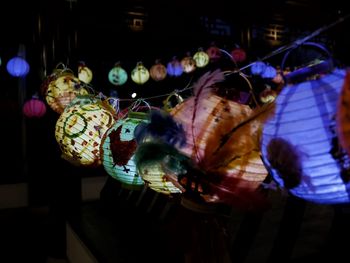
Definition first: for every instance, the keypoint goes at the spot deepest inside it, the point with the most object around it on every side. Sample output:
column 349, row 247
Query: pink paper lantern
column 34, row 108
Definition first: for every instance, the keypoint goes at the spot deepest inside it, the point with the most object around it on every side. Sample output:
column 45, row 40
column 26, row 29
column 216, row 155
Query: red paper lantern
column 34, row 108
column 214, row 53
column 238, row 55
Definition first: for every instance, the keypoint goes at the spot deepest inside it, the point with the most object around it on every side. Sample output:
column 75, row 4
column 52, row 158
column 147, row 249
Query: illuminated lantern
column 238, row 55
column 117, row 75
column 188, row 64
column 34, row 108
column 267, row 95
column 140, row 74
column 80, row 128
column 299, row 143
column 174, row 68
column 214, row 53
column 118, row 147
column 343, row 117
column 84, row 73
column 201, row 58
column 158, row 71
column 269, row 72
column 17, row 67
column 62, row 89
column 258, row 68
column 278, row 79
column 235, row 170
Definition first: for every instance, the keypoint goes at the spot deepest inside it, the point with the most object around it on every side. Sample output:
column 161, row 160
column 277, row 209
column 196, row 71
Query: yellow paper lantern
column 201, row 58
column 140, row 74
column 80, row 128
column 84, row 73
column 62, row 89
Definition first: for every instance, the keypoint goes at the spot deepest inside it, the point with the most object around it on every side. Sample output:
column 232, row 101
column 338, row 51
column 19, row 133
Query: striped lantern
column 237, row 167
column 80, row 128
column 118, row 147
column 62, row 89
column 300, row 146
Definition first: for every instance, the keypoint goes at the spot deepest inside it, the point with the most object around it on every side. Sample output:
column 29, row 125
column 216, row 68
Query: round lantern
column 84, row 73
column 80, row 128
column 269, row 72
column 201, row 58
column 188, row 64
column 258, row 68
column 174, row 68
column 214, row 53
column 118, row 147
column 117, row 75
column 299, row 143
column 140, row 74
column 34, row 108
column 238, row 55
column 62, row 89
column 232, row 171
column 158, row 71
column 17, row 67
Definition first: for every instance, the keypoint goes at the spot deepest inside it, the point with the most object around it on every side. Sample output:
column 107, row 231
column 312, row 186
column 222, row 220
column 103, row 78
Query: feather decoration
column 163, row 127
column 201, row 91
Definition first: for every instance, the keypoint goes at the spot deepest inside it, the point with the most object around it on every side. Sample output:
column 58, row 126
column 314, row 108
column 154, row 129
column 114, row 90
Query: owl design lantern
column 80, row 129
column 299, row 143
column 117, row 150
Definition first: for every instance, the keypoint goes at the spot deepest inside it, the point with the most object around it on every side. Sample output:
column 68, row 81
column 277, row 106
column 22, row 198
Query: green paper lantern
column 117, row 75
column 117, row 150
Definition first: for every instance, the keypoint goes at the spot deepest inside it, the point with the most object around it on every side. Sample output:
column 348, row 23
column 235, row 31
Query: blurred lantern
column 269, row 72
column 171, row 101
column 158, row 71
column 140, row 74
column 188, row 64
column 62, row 88
column 80, row 128
column 278, row 79
column 84, row 73
column 214, row 53
column 118, row 147
column 238, row 55
column 267, row 95
column 299, row 143
column 174, row 68
column 343, row 116
column 17, row 67
column 201, row 58
column 258, row 68
column 117, row 75
column 222, row 140
column 34, row 108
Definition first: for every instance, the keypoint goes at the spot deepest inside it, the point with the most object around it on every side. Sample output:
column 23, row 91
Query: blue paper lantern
column 174, row 68
column 299, row 143
column 258, row 68
column 17, row 67
column 269, row 72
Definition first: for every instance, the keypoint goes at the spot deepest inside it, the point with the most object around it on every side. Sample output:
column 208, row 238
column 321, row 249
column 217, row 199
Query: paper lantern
column 235, row 172
column 201, row 58
column 158, row 71
column 269, row 72
column 238, row 55
column 34, row 108
column 268, row 95
column 214, row 53
column 299, row 143
column 343, row 117
column 118, row 147
column 62, row 89
column 17, row 67
column 84, row 73
column 174, row 68
column 80, row 128
column 117, row 75
column 188, row 64
column 140, row 74
column 258, row 68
